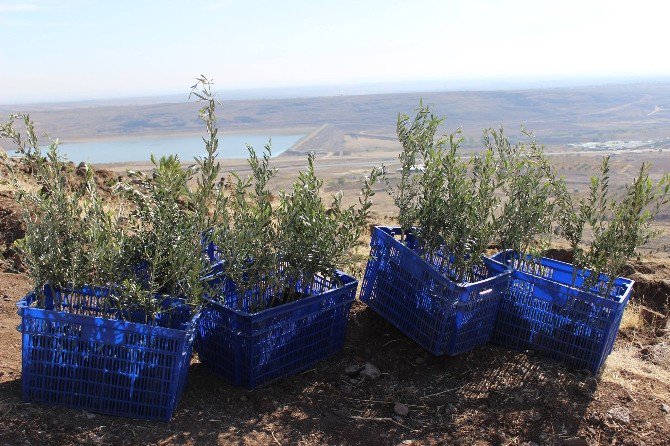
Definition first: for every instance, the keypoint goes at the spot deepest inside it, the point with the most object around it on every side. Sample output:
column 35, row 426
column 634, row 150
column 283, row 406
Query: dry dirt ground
column 490, row 396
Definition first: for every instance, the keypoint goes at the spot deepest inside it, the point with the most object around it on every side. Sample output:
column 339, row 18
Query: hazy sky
column 71, row 49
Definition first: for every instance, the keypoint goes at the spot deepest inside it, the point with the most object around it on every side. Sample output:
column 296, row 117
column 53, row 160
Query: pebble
column 420, row 360
column 501, row 436
column 353, row 370
column 371, row 371
column 401, row 409
column 620, row 414
column 665, row 408
column 593, row 419
column 243, row 398
column 346, row 388
column 90, row 416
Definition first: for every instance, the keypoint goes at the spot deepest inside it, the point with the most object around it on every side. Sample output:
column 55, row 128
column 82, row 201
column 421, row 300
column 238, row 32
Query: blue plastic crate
column 250, row 348
column 544, row 311
column 77, row 353
column 417, row 298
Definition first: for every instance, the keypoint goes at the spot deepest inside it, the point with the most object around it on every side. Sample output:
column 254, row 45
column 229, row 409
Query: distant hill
column 557, row 116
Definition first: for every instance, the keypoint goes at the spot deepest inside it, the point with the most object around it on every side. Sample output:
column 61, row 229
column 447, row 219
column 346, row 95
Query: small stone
column 620, row 414
column 575, row 441
column 397, row 418
column 353, row 370
column 371, row 371
column 401, row 409
column 243, row 398
column 346, row 388
column 419, row 360
column 665, row 408
column 90, row 416
column 502, row 437
column 593, row 419
column 519, row 399
column 408, row 442
column 95, row 438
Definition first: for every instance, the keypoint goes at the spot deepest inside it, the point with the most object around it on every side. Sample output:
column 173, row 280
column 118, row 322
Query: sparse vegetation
column 512, row 196
column 450, row 211
column 272, row 249
column 457, row 206
column 70, row 239
column 144, row 245
column 147, row 242
column 526, row 183
column 617, row 227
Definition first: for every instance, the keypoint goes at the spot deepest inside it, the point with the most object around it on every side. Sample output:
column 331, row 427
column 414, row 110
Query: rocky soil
column 381, row 390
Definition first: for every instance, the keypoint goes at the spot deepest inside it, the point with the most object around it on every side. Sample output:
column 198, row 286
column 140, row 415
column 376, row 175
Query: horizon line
column 363, row 88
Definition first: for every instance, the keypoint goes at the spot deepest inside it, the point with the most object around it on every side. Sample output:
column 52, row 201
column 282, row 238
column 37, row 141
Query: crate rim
column 625, row 283
column 349, row 282
column 389, row 232
column 25, row 309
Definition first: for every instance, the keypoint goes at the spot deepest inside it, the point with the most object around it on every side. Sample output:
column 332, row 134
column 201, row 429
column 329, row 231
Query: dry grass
column 632, row 318
column 627, row 368
column 638, row 366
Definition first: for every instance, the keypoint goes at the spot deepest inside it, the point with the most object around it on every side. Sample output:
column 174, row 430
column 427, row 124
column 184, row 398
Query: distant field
column 557, row 116
column 352, row 133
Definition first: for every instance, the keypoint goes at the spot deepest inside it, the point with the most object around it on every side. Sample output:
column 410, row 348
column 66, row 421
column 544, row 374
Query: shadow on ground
column 488, row 396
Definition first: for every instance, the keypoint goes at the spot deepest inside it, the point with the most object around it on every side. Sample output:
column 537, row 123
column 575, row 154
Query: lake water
column 187, row 147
